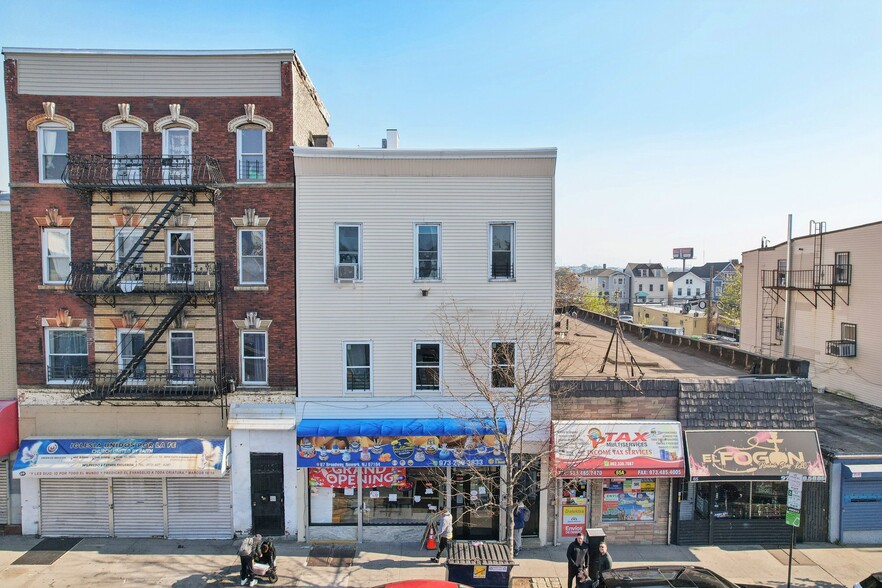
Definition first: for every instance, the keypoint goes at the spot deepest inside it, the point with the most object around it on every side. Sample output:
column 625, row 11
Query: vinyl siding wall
column 7, row 310
column 858, row 377
column 387, row 308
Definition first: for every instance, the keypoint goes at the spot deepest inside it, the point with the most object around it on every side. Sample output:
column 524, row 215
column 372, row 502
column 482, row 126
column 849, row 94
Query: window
column 252, row 256
column 698, row 291
column 779, row 328
column 651, row 287
column 126, row 148
column 406, row 501
column 176, row 155
column 348, row 266
column 180, row 257
column 502, row 370
column 679, row 291
column 502, row 251
column 842, row 269
column 782, row 272
column 56, row 255
column 67, row 355
column 254, row 359
column 848, row 332
column 129, row 342
column 688, row 291
column 127, row 239
column 640, row 287
column 357, row 358
column 661, row 287
column 628, row 499
column 182, row 356
column 52, row 145
column 251, row 148
column 427, row 242
column 427, row 367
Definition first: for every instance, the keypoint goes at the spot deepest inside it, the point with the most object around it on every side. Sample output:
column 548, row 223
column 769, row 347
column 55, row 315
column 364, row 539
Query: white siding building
column 386, row 239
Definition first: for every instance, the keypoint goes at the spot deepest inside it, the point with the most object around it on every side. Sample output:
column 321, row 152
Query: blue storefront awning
column 398, row 427
column 864, row 471
column 326, row 443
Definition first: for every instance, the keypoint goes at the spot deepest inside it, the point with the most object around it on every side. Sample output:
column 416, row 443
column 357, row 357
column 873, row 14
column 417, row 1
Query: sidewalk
column 180, row 564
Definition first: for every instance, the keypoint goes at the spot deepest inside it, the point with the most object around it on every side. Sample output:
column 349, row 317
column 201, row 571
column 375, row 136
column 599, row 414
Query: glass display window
column 333, row 506
column 410, row 500
column 741, row 500
column 628, row 499
column 575, row 492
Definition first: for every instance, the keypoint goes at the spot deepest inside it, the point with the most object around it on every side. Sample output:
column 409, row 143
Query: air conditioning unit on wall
column 346, row 272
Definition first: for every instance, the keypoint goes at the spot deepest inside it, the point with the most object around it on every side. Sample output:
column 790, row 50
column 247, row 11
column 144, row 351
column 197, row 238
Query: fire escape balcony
column 98, row 385
column 107, row 174
column 821, row 277
column 91, row 279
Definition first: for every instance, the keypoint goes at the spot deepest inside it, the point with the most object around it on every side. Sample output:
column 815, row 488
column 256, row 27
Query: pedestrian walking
column 247, row 550
column 445, row 533
column 577, row 558
column 521, row 516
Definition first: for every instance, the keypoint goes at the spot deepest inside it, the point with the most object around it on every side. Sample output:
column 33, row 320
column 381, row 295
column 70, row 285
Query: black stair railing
column 131, row 258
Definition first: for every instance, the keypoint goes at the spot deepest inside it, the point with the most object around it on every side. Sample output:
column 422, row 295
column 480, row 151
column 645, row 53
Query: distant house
column 720, row 271
column 612, row 284
column 685, row 286
column 649, row 283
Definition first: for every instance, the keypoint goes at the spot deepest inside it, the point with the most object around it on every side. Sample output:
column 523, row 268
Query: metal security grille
column 199, row 508
column 138, row 507
column 4, row 492
column 74, row 508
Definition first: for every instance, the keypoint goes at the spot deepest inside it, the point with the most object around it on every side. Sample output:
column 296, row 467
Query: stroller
column 265, row 562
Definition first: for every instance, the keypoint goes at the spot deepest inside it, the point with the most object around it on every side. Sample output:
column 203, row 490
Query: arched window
column 251, row 130
column 52, row 147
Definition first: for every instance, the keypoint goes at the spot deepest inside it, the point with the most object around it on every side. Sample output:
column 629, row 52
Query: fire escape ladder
column 131, row 258
column 817, row 228
column 157, row 333
column 766, row 325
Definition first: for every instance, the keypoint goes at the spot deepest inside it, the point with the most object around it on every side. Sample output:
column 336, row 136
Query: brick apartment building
column 152, row 217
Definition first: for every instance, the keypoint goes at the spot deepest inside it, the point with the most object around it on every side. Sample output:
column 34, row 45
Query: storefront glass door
column 475, row 492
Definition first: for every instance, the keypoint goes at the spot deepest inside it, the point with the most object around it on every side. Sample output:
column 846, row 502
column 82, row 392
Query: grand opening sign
column 348, row 477
column 606, row 449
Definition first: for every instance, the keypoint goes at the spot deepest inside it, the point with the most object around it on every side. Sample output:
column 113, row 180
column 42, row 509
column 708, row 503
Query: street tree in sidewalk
column 506, row 367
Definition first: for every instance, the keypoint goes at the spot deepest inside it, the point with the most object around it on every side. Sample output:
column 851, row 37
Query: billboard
column 683, row 253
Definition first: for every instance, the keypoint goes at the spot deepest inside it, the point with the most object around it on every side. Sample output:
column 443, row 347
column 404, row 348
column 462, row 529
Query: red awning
column 8, row 427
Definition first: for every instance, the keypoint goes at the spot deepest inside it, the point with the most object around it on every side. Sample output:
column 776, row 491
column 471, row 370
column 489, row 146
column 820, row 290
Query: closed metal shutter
column 199, row 508
column 74, row 508
column 138, row 507
column 862, row 505
column 4, row 492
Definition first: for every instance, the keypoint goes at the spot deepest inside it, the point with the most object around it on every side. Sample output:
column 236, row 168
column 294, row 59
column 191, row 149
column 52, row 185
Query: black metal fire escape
column 182, row 178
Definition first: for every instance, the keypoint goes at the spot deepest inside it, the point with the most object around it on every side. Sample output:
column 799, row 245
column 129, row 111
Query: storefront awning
column 262, row 417
column 202, row 457
column 8, row 427
column 400, row 442
column 738, row 454
column 864, row 471
column 611, row 449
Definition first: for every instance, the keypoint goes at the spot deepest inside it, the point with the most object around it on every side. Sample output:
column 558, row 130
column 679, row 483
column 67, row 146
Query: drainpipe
column 787, row 281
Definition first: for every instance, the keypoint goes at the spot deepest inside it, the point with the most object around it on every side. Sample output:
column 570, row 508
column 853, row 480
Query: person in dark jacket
column 577, row 558
column 601, row 562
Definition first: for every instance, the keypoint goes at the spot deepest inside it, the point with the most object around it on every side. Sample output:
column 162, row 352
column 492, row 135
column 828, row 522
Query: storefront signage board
column 348, row 477
column 607, row 449
column 755, row 454
column 572, row 520
column 203, row 457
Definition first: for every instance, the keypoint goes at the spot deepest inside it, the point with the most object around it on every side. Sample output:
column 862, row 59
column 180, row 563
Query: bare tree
column 507, row 365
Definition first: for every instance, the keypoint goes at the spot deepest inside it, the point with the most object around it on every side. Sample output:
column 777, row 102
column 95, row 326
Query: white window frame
column 242, row 357
column 166, row 171
column 168, row 255
column 416, row 367
column 133, row 171
column 240, row 154
column 45, row 253
column 513, row 365
column 122, row 364
column 416, row 252
column 172, row 364
column 131, row 278
column 359, row 269
column 512, row 254
column 370, row 368
column 40, row 149
column 48, row 354
column 241, row 265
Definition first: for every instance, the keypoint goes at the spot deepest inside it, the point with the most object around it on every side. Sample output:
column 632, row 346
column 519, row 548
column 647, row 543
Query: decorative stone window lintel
column 53, row 218
column 175, row 120
column 126, row 217
column 250, row 219
column 63, row 319
column 124, row 117
column 250, row 118
column 49, row 115
column 252, row 322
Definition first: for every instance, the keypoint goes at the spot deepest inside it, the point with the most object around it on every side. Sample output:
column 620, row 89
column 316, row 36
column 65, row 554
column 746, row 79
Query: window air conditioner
column 347, row 272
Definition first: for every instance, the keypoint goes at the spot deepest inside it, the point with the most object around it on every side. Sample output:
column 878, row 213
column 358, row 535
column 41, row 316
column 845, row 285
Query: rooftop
column 848, row 427
column 587, row 347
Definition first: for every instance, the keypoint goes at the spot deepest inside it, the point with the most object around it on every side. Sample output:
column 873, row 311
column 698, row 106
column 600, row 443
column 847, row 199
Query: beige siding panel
column 149, row 75
column 465, row 167
column 7, row 309
column 387, row 307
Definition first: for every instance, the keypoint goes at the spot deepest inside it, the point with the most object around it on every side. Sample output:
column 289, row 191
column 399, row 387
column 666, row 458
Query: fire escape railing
column 93, row 278
column 111, row 173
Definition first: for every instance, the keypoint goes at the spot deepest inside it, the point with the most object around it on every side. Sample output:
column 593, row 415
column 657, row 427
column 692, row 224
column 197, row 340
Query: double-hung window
column 357, row 360
column 56, row 255
column 251, row 148
column 348, row 265
column 502, row 251
column 52, row 145
column 177, row 155
column 127, row 239
column 67, row 355
column 129, row 342
column 126, row 148
column 427, row 367
column 252, row 256
column 180, row 257
column 427, row 242
column 182, row 356
column 842, row 268
column 502, row 364
column 254, row 358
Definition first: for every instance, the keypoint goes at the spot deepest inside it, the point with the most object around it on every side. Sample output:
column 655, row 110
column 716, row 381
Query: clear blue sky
column 678, row 123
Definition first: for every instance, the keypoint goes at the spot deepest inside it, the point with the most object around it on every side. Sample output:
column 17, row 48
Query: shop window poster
column 629, row 499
